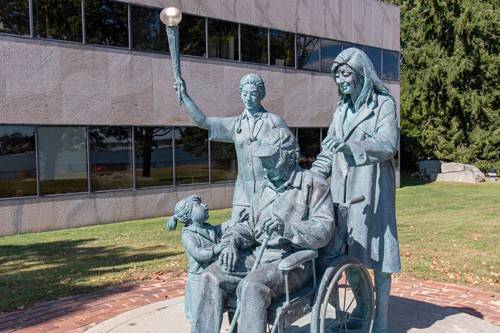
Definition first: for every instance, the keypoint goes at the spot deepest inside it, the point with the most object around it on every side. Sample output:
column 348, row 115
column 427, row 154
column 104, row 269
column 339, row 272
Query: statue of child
column 201, row 240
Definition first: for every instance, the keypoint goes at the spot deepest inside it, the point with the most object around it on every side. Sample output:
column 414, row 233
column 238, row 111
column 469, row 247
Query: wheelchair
column 338, row 299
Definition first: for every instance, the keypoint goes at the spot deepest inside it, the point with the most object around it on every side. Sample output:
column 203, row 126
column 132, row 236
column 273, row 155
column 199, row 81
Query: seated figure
column 290, row 211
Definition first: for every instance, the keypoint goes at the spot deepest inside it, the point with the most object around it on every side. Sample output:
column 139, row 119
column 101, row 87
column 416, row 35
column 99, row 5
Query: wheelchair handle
column 355, row 200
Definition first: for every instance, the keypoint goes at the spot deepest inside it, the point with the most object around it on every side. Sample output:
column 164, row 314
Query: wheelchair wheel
column 344, row 300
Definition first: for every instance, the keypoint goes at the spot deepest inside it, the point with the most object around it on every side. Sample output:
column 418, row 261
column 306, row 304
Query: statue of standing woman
column 244, row 131
column 358, row 156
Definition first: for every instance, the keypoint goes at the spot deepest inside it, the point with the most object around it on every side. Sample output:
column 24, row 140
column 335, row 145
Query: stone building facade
column 80, row 104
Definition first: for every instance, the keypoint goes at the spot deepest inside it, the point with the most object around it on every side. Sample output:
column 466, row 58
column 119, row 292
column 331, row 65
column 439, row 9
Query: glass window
column 148, row 32
column 154, row 163
column 390, row 65
column 62, row 153
column 110, row 157
column 346, row 45
column 308, row 52
column 222, row 39
column 223, row 161
column 309, row 140
column 14, row 17
column 254, row 44
column 324, row 133
column 106, row 22
column 58, row 19
column 375, row 55
column 191, row 155
column 282, row 48
column 330, row 49
column 192, row 39
column 17, row 161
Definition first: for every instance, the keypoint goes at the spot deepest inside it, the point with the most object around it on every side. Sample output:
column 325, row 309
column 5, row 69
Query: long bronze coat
column 373, row 138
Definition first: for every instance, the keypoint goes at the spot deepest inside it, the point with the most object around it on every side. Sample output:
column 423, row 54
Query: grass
column 450, row 231
column 447, row 232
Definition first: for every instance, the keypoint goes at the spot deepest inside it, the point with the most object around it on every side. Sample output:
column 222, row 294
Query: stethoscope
column 253, row 138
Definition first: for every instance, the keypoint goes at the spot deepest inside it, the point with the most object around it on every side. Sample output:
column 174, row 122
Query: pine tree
column 450, row 81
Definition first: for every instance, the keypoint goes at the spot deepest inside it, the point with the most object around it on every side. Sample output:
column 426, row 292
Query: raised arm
column 194, row 111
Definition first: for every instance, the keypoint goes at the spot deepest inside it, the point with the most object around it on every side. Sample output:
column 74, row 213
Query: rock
column 458, row 172
column 429, row 168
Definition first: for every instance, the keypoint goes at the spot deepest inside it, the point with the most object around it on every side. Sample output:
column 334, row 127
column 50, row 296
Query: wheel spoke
column 345, row 292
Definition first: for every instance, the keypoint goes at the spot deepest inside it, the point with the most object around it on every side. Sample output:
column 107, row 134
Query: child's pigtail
column 172, row 222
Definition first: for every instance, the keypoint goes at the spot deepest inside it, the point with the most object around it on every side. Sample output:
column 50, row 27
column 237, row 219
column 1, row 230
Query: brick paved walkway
column 76, row 314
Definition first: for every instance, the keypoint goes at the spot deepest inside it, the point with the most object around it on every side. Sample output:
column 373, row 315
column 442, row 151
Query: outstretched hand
column 243, row 216
column 336, row 145
column 344, row 148
column 228, row 257
column 220, row 246
column 330, row 143
column 180, row 87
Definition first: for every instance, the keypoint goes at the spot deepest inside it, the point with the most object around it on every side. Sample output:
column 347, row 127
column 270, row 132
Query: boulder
column 429, row 168
column 458, row 172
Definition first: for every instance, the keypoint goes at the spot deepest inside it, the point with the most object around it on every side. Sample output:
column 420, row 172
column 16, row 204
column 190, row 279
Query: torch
column 171, row 17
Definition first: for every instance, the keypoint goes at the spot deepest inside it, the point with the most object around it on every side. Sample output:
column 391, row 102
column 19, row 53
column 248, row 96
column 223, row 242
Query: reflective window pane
column 192, row 39
column 62, row 155
column 390, row 65
column 346, row 45
column 253, row 44
column 375, row 55
column 17, row 161
column 223, row 161
column 58, row 19
column 106, row 22
column 308, row 52
column 153, row 156
column 148, row 32
column 309, row 142
column 330, row 49
column 222, row 39
column 191, row 155
column 14, row 17
column 110, row 157
column 282, row 48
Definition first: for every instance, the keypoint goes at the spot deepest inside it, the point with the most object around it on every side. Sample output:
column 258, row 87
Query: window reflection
column 254, row 44
column 106, row 22
column 309, row 140
column 14, row 17
column 191, row 155
column 17, row 161
column 153, row 156
column 222, row 39
column 375, row 55
column 223, row 161
column 308, row 52
column 282, row 48
column 110, row 157
column 192, row 39
column 148, row 32
column 62, row 155
column 346, row 45
column 330, row 49
column 58, row 19
column 391, row 65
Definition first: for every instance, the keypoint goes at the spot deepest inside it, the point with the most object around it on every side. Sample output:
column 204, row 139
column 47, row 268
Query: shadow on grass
column 407, row 180
column 50, row 270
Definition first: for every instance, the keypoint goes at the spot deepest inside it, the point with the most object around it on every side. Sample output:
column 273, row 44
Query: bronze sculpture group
column 279, row 208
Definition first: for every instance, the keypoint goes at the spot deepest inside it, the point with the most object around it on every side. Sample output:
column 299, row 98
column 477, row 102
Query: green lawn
column 448, row 232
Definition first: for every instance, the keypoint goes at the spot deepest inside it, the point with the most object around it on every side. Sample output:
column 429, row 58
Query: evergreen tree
column 450, row 81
